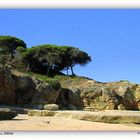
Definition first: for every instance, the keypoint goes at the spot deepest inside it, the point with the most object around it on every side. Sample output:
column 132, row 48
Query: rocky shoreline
column 75, row 97
column 63, row 123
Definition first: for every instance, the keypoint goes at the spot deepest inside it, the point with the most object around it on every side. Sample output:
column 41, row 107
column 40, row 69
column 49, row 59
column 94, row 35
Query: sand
column 25, row 122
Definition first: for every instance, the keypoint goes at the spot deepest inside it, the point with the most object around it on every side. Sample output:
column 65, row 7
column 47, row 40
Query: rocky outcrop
column 45, row 93
column 23, row 90
column 70, row 98
column 7, row 114
column 7, row 87
column 73, row 94
column 94, row 95
column 100, row 116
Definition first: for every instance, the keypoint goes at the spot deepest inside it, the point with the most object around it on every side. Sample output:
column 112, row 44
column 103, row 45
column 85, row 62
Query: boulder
column 53, row 107
column 7, row 114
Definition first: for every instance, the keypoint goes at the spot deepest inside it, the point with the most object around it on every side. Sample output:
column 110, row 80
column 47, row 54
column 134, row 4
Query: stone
column 107, row 116
column 7, row 114
column 53, row 107
column 89, row 109
column 41, row 113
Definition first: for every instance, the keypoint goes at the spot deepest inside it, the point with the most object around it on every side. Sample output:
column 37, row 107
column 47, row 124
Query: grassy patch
column 52, row 81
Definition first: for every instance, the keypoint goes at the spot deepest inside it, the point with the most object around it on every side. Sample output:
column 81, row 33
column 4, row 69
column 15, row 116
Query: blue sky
column 110, row 36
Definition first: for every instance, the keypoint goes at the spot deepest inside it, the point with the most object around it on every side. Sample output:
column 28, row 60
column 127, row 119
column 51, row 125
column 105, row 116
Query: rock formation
column 23, row 90
column 102, row 116
column 73, row 93
column 93, row 95
column 7, row 114
column 45, row 93
column 7, row 87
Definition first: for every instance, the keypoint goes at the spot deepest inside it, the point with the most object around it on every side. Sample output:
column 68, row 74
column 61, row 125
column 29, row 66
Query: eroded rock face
column 25, row 89
column 100, row 98
column 107, row 96
column 7, row 87
column 73, row 94
column 13, row 89
column 112, row 95
column 20, row 90
column 45, row 93
column 70, row 98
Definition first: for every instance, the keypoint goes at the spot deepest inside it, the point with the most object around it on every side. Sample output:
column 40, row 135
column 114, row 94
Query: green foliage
column 20, row 49
column 10, row 43
column 124, row 81
column 3, row 51
column 53, row 57
column 79, row 57
column 3, row 59
column 52, row 81
column 47, row 59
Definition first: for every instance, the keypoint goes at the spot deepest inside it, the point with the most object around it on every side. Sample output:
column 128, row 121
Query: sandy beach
column 25, row 122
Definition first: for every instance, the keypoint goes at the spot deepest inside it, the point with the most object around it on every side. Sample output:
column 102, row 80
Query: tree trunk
column 67, row 71
column 48, row 70
column 72, row 70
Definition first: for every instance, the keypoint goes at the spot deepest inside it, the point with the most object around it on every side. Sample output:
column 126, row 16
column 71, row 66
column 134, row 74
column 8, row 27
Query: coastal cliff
column 68, row 92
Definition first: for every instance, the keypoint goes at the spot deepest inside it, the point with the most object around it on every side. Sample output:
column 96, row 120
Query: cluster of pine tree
column 47, row 58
